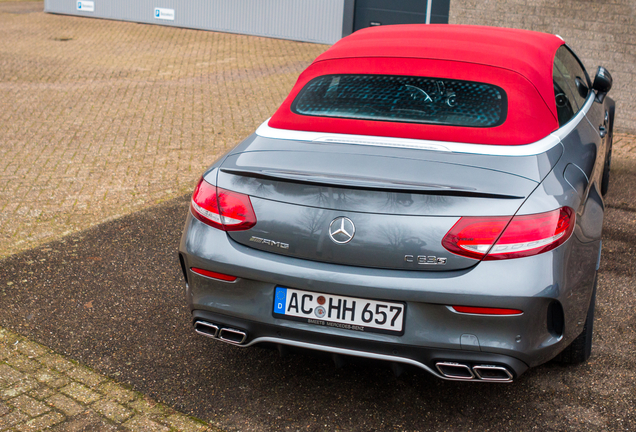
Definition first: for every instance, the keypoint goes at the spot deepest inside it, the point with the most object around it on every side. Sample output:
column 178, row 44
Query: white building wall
column 318, row 21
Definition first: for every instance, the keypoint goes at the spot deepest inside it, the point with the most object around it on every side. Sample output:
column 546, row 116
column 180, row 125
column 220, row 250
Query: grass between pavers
column 39, row 387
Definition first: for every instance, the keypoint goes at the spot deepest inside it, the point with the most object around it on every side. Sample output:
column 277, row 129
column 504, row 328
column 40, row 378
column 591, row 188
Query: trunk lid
column 387, row 208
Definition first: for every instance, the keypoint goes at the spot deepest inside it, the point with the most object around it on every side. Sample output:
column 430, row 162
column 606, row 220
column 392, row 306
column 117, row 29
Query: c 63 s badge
column 425, row 259
column 269, row 242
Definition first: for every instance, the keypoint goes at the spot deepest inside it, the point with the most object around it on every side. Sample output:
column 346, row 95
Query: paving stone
column 89, row 421
column 5, row 351
column 56, row 362
column 27, row 404
column 11, row 419
column 65, row 404
column 22, row 363
column 146, row 406
column 80, row 393
column 9, row 375
column 41, row 392
column 8, row 337
column 18, row 388
column 4, row 409
column 112, row 410
column 40, row 423
column 51, row 378
column 31, row 349
column 184, row 424
column 144, row 424
column 116, row 392
column 85, row 376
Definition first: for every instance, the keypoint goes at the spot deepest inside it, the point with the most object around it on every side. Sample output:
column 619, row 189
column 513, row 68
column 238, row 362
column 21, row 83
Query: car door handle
column 602, row 131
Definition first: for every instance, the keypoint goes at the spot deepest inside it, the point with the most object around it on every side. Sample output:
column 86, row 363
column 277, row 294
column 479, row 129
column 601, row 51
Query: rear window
column 403, row 99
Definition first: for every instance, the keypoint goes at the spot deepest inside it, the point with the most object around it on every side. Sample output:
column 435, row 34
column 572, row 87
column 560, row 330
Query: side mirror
column 602, row 83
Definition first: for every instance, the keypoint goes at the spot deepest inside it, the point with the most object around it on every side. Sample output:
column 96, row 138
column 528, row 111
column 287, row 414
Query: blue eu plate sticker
column 280, row 300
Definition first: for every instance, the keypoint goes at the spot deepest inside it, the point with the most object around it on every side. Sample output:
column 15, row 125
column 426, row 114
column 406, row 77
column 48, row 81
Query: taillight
column 222, row 209
column 482, row 238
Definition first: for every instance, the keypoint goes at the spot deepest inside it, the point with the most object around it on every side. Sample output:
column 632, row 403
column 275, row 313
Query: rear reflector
column 214, row 275
column 482, row 237
column 486, row 310
column 222, row 209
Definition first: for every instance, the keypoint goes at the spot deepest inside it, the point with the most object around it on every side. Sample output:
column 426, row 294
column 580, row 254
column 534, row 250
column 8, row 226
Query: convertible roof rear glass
column 408, row 99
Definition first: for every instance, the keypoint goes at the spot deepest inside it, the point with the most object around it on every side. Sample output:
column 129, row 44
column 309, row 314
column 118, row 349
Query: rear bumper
column 422, row 357
column 433, row 332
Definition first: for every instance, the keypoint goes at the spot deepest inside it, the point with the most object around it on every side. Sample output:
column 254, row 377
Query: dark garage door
column 383, row 12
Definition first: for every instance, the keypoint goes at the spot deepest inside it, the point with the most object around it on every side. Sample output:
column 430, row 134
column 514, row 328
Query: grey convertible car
column 429, row 195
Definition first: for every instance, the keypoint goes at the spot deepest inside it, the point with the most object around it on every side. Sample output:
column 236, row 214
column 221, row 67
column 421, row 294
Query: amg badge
column 269, row 242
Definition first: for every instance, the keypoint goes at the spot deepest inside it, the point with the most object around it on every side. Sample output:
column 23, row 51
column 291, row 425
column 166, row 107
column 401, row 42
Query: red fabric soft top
column 519, row 61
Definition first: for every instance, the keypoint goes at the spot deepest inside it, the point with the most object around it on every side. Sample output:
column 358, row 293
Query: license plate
column 349, row 313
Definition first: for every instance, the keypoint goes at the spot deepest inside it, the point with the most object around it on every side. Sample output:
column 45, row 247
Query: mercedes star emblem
column 341, row 230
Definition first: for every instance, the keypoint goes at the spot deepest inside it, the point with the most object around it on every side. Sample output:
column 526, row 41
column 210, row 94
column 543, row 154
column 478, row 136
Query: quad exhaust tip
column 455, row 370
column 461, row 371
column 224, row 334
column 206, row 329
column 492, row 373
column 232, row 336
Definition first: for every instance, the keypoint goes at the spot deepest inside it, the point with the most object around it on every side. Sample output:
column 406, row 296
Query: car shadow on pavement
column 112, row 298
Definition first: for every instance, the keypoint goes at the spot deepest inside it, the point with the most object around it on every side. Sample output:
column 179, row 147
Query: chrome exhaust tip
column 455, row 370
column 232, row 336
column 492, row 373
column 206, row 329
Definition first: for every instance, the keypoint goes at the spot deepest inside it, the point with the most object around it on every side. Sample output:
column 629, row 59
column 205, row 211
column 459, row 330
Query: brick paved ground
column 99, row 118
column 624, row 146
column 40, row 389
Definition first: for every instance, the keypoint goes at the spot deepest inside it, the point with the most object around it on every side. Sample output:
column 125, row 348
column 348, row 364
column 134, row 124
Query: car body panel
column 400, row 205
column 530, row 284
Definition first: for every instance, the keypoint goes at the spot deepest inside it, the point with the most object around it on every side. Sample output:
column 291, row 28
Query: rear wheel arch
column 580, row 348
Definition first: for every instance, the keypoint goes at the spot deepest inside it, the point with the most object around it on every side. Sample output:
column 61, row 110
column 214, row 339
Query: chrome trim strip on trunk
column 532, row 149
column 353, row 353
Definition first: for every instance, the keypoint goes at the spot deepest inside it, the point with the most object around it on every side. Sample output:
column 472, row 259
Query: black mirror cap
column 602, row 83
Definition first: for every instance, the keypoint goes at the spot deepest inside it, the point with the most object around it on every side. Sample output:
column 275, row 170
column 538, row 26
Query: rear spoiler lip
column 353, row 182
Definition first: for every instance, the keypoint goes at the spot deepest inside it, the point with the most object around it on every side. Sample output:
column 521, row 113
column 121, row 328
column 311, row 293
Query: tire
column 581, row 348
column 608, row 159
column 606, row 173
